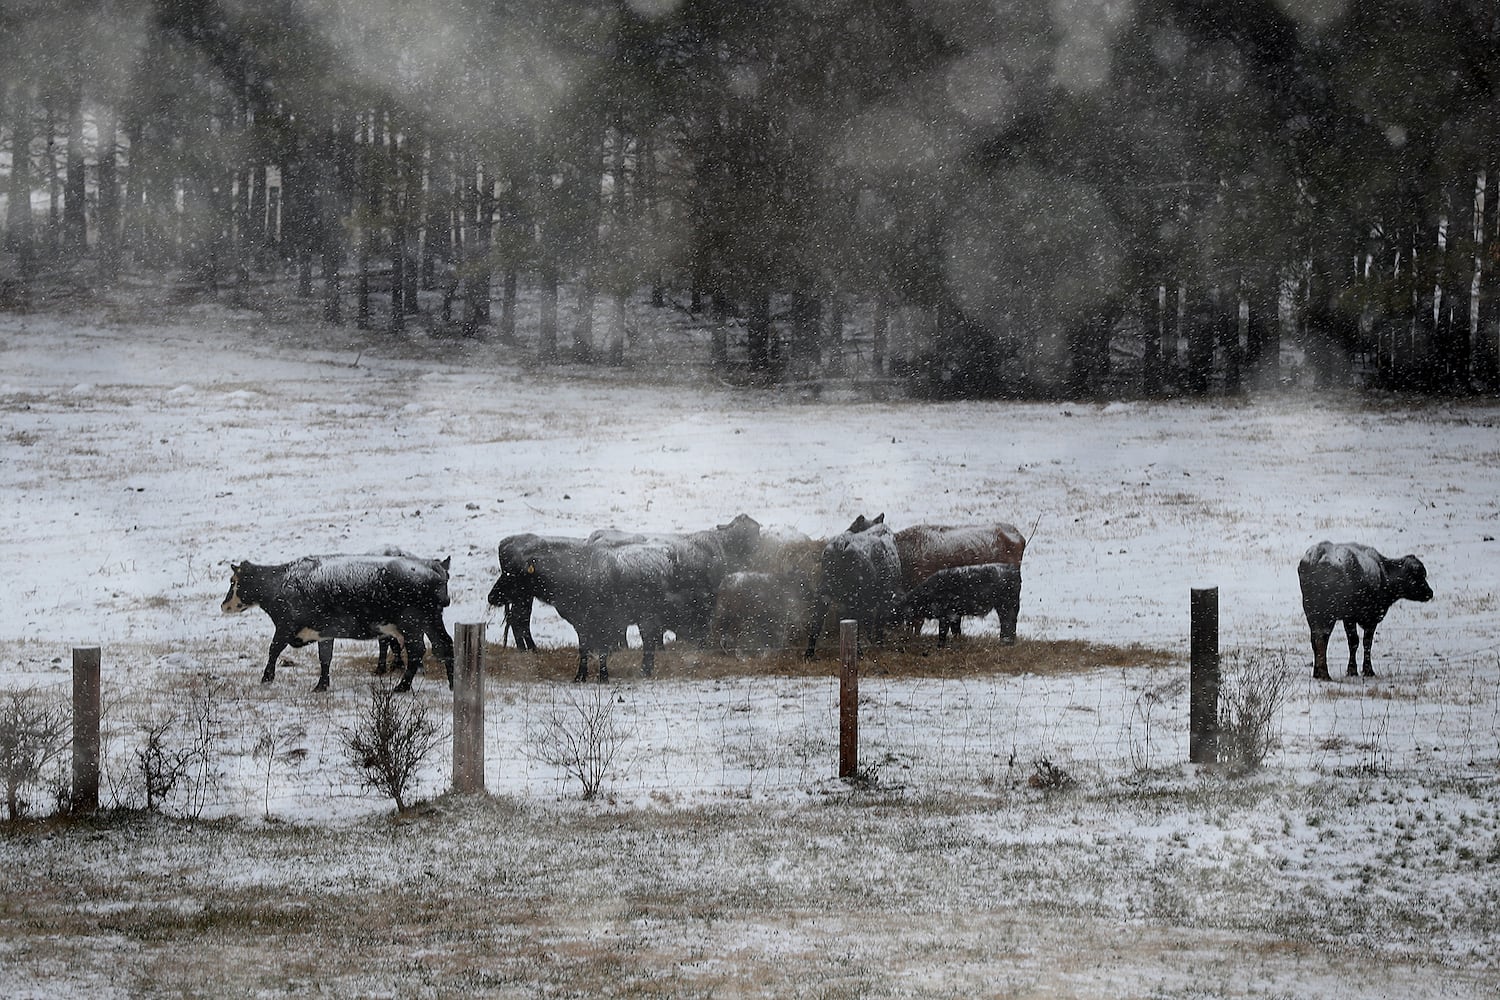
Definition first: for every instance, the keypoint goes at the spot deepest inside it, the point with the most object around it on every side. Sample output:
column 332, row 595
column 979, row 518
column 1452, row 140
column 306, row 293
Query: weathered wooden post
column 1203, row 680
column 848, row 698
column 85, row 797
column 468, row 708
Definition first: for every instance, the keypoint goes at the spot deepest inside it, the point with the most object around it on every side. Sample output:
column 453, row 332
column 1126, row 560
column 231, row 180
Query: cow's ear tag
column 531, row 567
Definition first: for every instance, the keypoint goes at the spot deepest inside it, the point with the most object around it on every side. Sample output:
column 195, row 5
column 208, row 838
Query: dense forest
column 1081, row 197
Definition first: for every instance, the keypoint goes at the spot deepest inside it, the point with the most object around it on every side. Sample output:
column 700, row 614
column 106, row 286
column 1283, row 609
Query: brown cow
column 926, row 549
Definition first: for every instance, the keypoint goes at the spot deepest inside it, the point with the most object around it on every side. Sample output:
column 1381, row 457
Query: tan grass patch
column 973, row 657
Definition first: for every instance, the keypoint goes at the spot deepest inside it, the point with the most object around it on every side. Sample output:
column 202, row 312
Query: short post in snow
column 468, row 709
column 1203, row 680
column 85, row 796
column 848, row 698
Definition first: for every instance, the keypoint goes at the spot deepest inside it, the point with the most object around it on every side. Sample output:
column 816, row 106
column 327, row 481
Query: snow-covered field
column 142, row 455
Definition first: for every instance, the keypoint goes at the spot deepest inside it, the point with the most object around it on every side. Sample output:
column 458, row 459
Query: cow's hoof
column 267, row 678
column 1369, row 673
column 1323, row 676
column 580, row 678
column 403, row 686
column 1007, row 640
column 321, row 686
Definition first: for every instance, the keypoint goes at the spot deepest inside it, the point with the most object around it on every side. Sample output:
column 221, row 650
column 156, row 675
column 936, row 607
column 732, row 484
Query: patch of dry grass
column 971, row 657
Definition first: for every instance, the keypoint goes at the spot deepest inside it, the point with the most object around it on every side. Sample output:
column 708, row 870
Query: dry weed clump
column 1252, row 691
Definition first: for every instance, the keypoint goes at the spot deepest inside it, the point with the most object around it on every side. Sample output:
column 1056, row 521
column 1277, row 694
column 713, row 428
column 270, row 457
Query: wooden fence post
column 1203, row 686
column 848, row 698
column 85, row 797
column 468, row 709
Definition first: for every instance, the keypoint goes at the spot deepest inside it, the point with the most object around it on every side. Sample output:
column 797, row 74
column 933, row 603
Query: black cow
column 387, row 643
column 950, row 594
column 862, row 575
column 1354, row 584
column 600, row 590
column 347, row 597
column 514, row 552
column 700, row 561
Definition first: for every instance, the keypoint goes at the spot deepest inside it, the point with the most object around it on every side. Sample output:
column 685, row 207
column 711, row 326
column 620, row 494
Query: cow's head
column 514, row 585
column 233, row 603
column 740, row 536
column 1412, row 579
column 862, row 523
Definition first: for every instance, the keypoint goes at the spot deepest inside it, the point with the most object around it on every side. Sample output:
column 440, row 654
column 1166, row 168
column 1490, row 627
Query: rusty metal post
column 85, row 797
column 468, row 709
column 1203, row 680
column 848, row 698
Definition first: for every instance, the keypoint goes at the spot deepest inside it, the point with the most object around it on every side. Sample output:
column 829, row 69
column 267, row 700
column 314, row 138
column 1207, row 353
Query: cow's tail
column 505, row 626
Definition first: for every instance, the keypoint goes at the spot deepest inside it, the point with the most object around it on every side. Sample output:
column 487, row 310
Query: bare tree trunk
column 547, row 336
column 75, row 222
column 396, row 322
column 1149, row 309
column 480, row 270
column 590, row 181
column 108, row 217
column 20, row 236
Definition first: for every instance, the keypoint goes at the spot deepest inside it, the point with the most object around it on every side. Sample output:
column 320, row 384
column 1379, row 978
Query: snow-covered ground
column 141, row 456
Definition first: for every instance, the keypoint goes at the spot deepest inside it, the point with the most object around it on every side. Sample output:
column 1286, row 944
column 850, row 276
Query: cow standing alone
column 1354, row 584
column 347, row 597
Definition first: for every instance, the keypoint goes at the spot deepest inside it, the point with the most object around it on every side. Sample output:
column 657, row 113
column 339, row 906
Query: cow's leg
column 604, row 666
column 942, row 631
column 583, row 663
column 1320, row 634
column 652, row 639
column 1009, row 609
column 518, row 613
column 325, row 663
column 1352, row 632
column 442, row 643
column 410, row 641
column 278, row 646
column 1369, row 641
column 381, row 666
column 815, row 628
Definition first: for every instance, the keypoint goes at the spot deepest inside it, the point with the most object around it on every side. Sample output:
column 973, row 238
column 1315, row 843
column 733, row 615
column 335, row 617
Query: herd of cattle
column 733, row 586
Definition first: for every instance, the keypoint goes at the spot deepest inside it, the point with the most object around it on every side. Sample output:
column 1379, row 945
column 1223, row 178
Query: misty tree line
column 1080, row 196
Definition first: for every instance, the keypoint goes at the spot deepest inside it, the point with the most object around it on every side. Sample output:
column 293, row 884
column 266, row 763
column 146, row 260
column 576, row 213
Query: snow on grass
column 141, row 457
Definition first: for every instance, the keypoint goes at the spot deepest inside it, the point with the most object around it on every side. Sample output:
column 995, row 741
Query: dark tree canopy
column 1092, row 197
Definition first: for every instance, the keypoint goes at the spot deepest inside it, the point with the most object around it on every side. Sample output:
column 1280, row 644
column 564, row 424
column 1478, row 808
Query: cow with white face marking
column 1354, row 584
column 316, row 598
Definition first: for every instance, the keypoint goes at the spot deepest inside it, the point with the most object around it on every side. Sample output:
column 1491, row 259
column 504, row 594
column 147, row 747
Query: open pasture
column 722, row 858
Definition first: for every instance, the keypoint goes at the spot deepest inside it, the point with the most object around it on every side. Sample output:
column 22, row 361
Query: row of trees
column 1057, row 186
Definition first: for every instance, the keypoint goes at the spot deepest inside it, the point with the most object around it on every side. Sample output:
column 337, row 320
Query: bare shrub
column 33, row 732
column 389, row 743
column 582, row 738
column 1050, row 777
column 165, row 764
column 159, row 765
column 281, row 746
column 1150, row 722
column 1252, row 692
